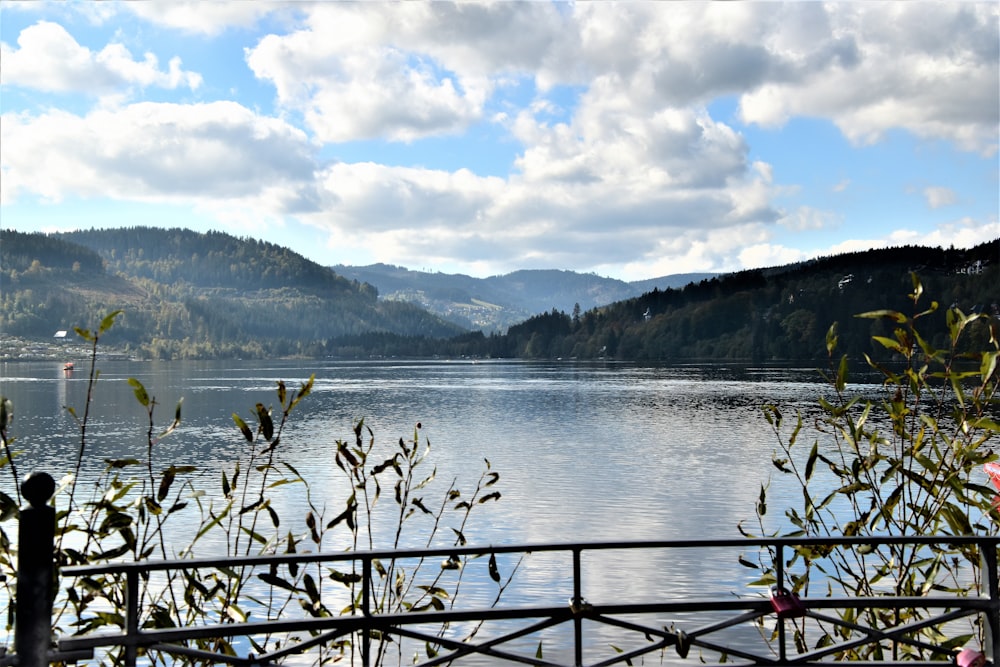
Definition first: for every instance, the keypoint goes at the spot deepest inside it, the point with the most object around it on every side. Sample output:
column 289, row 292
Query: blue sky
column 632, row 140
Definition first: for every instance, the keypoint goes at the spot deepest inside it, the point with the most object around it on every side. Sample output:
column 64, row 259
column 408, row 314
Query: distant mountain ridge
column 495, row 303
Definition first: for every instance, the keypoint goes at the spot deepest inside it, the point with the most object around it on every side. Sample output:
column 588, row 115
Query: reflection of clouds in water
column 585, row 452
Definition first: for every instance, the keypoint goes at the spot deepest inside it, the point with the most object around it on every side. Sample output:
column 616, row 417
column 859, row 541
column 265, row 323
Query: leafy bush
column 905, row 463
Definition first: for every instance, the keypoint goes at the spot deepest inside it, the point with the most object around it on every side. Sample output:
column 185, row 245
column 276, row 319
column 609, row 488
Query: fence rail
column 668, row 628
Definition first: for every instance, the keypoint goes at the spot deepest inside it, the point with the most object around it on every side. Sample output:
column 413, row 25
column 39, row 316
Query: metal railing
column 667, row 628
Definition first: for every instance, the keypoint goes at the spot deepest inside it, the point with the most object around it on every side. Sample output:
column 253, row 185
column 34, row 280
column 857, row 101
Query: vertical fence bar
column 131, row 617
column 991, row 576
column 366, row 611
column 577, row 604
column 35, row 572
column 779, row 574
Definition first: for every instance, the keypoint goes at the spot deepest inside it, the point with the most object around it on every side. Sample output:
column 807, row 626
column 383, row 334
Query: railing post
column 577, row 604
column 991, row 576
column 131, row 617
column 366, row 611
column 779, row 574
column 35, row 572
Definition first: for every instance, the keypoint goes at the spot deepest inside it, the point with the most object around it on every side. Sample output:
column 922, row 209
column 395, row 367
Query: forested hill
column 210, row 260
column 186, row 294
column 781, row 313
column 762, row 315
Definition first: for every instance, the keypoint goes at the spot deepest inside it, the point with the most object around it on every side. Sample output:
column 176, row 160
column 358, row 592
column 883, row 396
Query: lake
column 585, row 451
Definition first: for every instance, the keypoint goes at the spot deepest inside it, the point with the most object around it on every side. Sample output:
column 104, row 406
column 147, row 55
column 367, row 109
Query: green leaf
column 811, row 462
column 418, row 502
column 264, row 418
column 346, row 515
column 282, row 394
column 121, row 463
column 490, row 496
column 831, row 339
column 957, row 520
column 242, row 425
column 988, row 365
column 108, row 322
column 140, row 392
column 889, row 344
column 174, row 424
column 841, row 382
column 168, row 478
column 346, row 578
column 303, row 391
column 888, row 314
column 84, row 334
column 274, row 580
column 494, row 572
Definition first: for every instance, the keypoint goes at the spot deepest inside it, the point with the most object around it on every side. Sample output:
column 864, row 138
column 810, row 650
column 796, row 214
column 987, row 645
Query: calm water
column 586, row 451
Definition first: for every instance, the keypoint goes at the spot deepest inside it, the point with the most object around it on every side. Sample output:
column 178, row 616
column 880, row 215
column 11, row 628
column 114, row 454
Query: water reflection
column 586, row 452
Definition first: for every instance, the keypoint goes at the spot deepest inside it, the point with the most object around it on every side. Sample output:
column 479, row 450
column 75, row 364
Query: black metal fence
column 681, row 630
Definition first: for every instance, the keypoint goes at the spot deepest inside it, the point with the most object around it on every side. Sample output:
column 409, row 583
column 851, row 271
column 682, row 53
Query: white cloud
column 208, row 18
column 948, row 88
column 961, row 233
column 48, row 58
column 630, row 169
column 204, row 153
column 399, row 72
column 809, row 218
column 421, row 69
column 939, row 196
column 765, row 254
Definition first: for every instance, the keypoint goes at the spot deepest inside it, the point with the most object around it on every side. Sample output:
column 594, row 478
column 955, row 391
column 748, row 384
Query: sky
column 628, row 139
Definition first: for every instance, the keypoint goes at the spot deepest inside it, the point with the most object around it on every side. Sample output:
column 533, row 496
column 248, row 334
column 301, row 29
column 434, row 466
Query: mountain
column 184, row 293
column 495, row 303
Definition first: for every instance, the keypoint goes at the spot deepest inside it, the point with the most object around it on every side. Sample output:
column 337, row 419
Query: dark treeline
column 186, row 294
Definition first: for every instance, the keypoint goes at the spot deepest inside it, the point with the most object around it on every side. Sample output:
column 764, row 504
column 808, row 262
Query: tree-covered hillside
column 186, row 294
column 211, row 260
column 769, row 314
column 762, row 315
